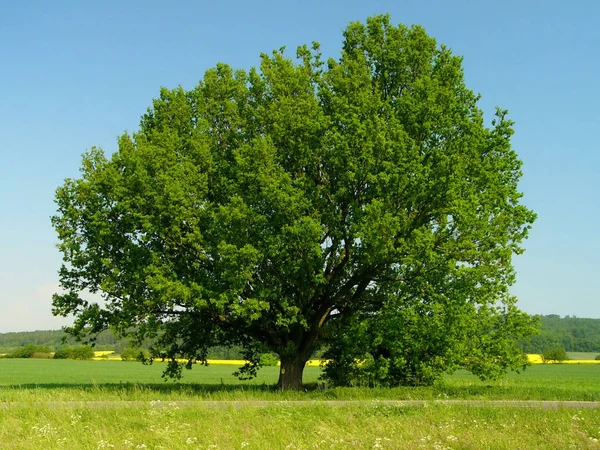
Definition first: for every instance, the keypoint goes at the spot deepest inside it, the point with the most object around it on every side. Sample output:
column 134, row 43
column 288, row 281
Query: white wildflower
column 46, row 430
column 75, row 419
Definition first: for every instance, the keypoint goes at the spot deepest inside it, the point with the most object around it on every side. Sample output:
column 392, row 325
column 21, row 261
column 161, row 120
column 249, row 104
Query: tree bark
column 290, row 372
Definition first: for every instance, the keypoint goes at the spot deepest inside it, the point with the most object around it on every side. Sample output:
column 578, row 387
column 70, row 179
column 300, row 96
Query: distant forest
column 57, row 339
column 574, row 334
column 54, row 339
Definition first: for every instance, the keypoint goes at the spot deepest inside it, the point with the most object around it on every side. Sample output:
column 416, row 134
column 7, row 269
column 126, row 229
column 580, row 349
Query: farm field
column 57, row 380
column 582, row 355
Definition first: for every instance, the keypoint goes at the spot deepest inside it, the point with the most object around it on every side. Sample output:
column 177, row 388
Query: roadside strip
column 549, row 404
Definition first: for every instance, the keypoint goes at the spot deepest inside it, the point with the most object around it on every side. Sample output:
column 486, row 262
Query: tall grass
column 156, row 426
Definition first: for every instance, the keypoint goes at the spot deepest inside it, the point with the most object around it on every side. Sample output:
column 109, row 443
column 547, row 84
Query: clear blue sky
column 75, row 74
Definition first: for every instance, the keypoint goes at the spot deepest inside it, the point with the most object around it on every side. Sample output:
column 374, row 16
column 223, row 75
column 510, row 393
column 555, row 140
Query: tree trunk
column 290, row 372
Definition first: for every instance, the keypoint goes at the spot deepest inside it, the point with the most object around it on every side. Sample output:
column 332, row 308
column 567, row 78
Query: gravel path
column 550, row 404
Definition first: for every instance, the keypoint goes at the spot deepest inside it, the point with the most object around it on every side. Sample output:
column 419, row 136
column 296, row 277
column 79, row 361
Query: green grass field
column 139, row 410
column 40, row 380
column 582, row 355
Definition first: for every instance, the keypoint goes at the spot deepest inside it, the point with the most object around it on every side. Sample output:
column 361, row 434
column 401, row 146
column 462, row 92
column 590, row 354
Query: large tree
column 261, row 207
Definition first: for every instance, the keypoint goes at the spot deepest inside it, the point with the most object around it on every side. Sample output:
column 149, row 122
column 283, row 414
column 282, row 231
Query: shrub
column 62, row 353
column 267, row 359
column 134, row 354
column 555, row 354
column 83, row 352
column 29, row 351
column 597, row 358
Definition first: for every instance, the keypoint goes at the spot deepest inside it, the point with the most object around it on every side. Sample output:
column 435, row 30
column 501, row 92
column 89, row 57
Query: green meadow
column 66, row 380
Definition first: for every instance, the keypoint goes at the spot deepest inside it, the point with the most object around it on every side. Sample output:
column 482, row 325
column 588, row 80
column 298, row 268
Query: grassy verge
column 314, row 427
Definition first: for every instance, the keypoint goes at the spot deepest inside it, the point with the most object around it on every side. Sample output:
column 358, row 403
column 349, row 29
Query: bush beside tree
column 416, row 344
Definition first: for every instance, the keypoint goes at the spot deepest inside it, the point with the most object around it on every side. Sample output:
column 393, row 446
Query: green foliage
column 268, row 359
column 62, row 353
column 13, row 340
column 106, row 340
column 262, row 208
column 82, row 352
column 42, row 355
column 575, row 334
column 30, row 351
column 555, row 354
column 134, row 354
column 597, row 358
column 417, row 344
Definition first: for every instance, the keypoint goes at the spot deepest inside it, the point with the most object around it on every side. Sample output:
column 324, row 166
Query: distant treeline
column 57, row 339
column 574, row 334
column 54, row 340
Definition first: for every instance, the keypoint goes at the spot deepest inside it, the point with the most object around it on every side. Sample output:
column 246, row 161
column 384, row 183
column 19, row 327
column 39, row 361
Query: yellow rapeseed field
column 110, row 355
column 533, row 359
column 537, row 359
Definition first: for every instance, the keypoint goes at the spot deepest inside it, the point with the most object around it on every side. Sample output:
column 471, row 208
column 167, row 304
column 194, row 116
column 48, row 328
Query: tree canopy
column 263, row 207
